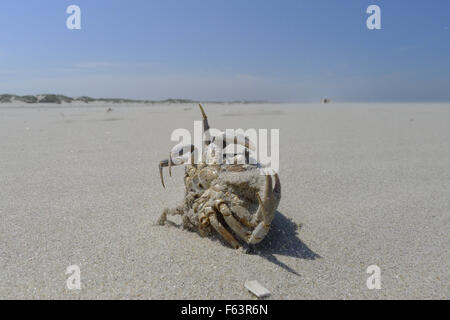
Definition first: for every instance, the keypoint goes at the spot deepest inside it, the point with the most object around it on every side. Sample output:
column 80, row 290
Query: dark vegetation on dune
column 59, row 98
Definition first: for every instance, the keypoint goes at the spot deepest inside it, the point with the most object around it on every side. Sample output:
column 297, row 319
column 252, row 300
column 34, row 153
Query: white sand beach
column 362, row 184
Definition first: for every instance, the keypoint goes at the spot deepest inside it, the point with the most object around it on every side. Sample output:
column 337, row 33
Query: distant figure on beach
column 323, row 101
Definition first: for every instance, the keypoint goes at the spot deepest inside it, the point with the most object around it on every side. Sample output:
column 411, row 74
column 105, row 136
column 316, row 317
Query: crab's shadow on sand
column 282, row 239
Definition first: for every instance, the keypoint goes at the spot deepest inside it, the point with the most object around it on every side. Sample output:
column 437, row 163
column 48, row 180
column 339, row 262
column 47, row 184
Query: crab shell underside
column 236, row 201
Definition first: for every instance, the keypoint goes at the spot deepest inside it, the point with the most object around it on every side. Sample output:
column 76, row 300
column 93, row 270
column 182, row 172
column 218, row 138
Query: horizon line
column 61, row 98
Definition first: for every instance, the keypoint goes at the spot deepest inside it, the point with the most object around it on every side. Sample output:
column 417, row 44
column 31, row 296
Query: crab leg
column 243, row 215
column 205, row 125
column 226, row 138
column 205, row 118
column 180, row 155
column 173, row 211
column 222, row 231
column 162, row 164
column 241, row 231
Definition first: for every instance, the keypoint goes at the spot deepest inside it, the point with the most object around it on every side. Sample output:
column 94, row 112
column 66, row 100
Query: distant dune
column 59, row 98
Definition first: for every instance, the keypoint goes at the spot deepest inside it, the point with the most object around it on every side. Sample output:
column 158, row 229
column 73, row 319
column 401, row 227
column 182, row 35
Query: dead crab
column 223, row 197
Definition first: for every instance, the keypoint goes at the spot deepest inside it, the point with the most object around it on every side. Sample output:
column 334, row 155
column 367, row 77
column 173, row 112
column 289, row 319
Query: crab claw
column 271, row 198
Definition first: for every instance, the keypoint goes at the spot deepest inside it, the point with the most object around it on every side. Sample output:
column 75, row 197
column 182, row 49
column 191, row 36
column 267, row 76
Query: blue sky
column 228, row 50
